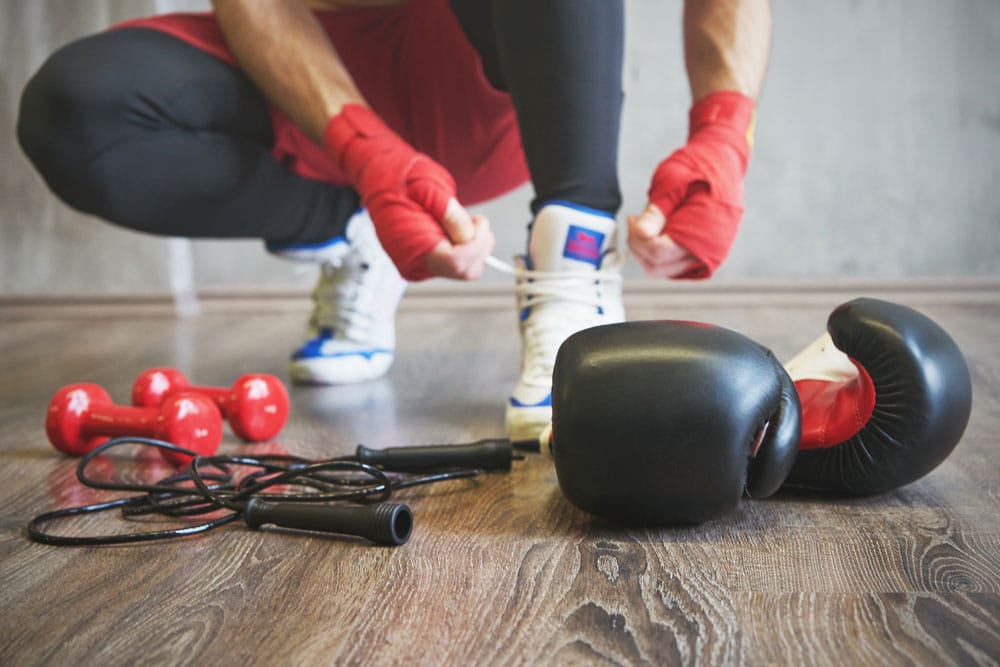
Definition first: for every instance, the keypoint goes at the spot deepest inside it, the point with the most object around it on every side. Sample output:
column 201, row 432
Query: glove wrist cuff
column 725, row 109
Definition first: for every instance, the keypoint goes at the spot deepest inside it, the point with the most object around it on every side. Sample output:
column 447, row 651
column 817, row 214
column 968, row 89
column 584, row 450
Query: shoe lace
column 339, row 302
column 555, row 304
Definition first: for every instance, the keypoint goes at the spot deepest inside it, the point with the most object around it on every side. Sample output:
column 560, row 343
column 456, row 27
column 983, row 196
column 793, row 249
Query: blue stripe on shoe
column 544, row 403
column 313, row 349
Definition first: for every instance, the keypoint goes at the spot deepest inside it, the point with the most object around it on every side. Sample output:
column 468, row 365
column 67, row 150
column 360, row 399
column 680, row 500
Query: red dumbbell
column 82, row 416
column 256, row 406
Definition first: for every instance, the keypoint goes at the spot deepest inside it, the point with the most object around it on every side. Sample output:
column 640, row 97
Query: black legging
column 561, row 61
column 148, row 132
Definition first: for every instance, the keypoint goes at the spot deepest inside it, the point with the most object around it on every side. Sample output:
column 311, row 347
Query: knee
column 47, row 117
column 62, row 116
column 43, row 117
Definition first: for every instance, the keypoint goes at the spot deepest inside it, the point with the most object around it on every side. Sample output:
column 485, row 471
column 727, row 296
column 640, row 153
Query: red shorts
column 417, row 70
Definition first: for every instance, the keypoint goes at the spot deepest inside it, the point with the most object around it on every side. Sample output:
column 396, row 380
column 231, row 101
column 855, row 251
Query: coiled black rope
column 330, row 495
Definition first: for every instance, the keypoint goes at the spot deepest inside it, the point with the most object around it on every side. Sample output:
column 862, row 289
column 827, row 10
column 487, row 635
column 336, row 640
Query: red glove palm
column 699, row 188
column 406, row 192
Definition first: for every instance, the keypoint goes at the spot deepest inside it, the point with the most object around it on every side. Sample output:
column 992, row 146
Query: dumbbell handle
column 155, row 384
column 221, row 395
column 121, row 420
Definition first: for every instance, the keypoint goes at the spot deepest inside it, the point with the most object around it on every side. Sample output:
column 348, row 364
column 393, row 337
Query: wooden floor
column 500, row 570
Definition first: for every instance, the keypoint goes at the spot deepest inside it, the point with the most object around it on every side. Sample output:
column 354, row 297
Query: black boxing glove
column 669, row 422
column 885, row 395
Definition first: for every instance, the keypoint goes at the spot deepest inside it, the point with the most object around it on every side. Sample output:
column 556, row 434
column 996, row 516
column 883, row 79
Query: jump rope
column 281, row 490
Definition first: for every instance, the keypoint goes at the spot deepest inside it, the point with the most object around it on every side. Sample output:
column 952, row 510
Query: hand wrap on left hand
column 699, row 188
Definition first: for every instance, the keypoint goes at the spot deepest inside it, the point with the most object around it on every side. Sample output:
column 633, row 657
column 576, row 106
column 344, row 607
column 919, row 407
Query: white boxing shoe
column 570, row 280
column 352, row 331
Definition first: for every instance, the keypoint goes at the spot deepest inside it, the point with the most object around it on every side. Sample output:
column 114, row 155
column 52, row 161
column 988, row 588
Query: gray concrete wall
column 878, row 151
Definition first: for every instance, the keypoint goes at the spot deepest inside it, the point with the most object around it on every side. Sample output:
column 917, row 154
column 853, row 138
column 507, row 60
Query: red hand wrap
column 699, row 187
column 406, row 192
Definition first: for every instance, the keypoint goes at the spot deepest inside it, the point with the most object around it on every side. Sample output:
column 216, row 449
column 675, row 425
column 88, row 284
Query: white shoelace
column 338, row 300
column 575, row 300
column 576, row 297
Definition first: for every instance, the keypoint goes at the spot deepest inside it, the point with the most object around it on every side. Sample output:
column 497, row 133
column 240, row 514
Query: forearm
column 283, row 48
column 726, row 45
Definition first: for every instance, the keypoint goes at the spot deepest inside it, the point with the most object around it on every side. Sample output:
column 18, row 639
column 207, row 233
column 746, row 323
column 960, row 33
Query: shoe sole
column 526, row 423
column 347, row 369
